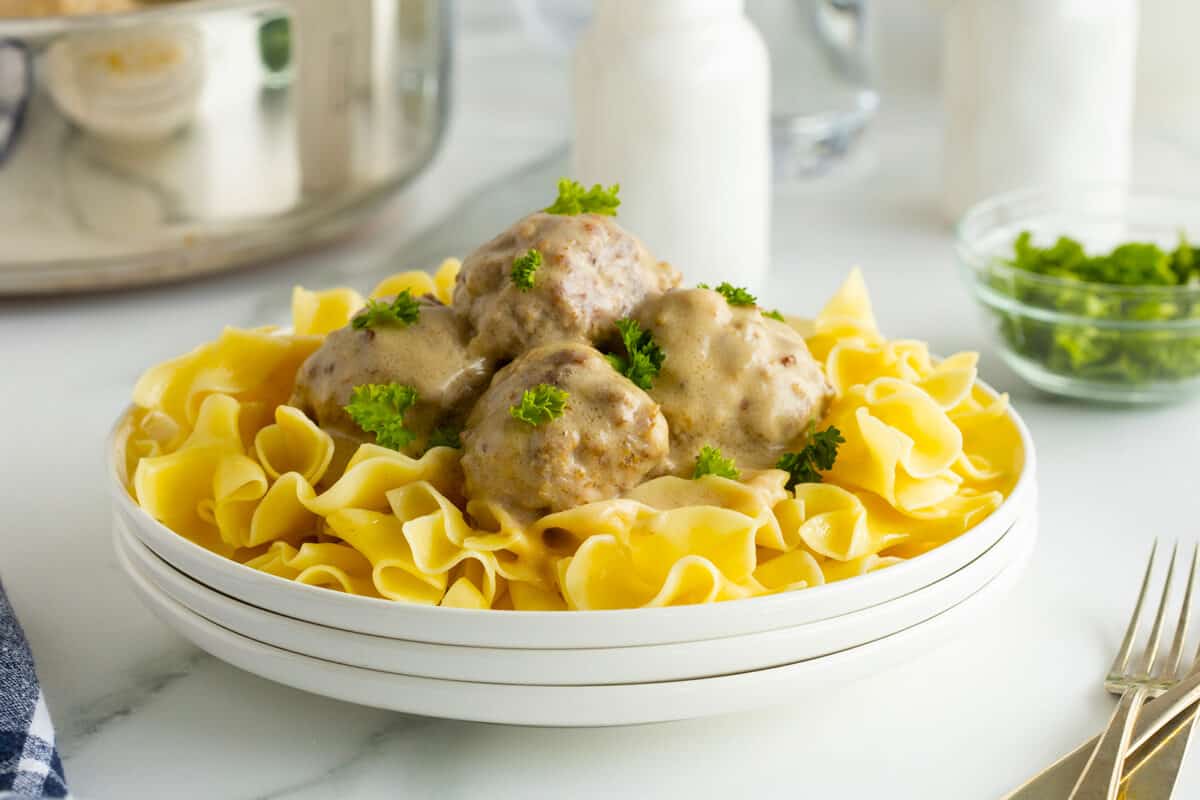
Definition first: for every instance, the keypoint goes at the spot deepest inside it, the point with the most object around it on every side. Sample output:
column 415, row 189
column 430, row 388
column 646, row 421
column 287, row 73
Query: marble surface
column 142, row 714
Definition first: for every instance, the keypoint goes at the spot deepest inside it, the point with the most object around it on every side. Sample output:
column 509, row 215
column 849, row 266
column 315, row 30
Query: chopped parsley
column 1109, row 313
column 403, row 310
column 734, row 295
column 643, row 357
column 379, row 409
column 711, row 462
column 774, row 314
column 1130, row 264
column 574, row 199
column 540, row 404
column 820, row 454
column 445, row 436
column 524, row 267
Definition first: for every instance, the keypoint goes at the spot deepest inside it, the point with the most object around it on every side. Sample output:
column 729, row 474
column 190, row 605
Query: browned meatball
column 610, row 436
column 430, row 355
column 732, row 378
column 592, row 274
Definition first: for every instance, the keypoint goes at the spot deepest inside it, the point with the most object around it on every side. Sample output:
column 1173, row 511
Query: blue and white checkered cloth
column 29, row 764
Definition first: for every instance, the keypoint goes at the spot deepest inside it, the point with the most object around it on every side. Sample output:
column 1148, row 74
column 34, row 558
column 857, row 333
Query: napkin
column 29, row 764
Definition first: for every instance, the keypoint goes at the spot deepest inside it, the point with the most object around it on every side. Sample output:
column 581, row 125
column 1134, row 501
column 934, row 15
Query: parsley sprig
column 574, row 199
column 540, row 404
column 445, row 436
column 643, row 357
column 734, row 295
column 403, row 310
column 818, row 456
column 711, row 462
column 774, row 314
column 524, row 267
column 379, row 408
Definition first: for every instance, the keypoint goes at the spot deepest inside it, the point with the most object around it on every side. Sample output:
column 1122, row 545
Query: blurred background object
column 137, row 84
column 822, row 84
column 1036, row 93
column 822, row 78
column 670, row 100
column 52, row 8
column 275, row 49
column 556, row 25
column 1168, row 83
column 16, row 80
column 79, row 208
column 185, row 138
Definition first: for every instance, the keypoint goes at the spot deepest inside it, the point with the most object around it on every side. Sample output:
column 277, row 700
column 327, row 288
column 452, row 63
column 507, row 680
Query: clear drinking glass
column 822, row 94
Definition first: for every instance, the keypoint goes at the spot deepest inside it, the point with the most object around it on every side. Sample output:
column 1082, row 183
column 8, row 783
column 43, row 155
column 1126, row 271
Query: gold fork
column 1101, row 777
column 1150, row 773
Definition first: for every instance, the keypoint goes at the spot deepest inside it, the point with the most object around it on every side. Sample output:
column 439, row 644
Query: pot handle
column 16, row 87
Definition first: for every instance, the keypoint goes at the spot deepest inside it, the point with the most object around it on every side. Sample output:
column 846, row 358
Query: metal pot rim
column 37, row 27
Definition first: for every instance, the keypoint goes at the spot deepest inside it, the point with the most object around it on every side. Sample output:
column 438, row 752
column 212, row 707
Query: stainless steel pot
column 196, row 136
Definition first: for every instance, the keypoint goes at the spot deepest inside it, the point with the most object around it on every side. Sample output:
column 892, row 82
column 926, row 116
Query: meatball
column 610, row 436
column 592, row 274
column 732, row 378
column 430, row 355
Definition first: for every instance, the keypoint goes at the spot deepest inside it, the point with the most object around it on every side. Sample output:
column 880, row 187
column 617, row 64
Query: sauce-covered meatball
column 592, row 273
column 609, row 437
column 430, row 355
column 732, row 378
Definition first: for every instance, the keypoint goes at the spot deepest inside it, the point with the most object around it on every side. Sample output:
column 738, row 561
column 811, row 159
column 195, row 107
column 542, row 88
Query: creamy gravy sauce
column 732, row 378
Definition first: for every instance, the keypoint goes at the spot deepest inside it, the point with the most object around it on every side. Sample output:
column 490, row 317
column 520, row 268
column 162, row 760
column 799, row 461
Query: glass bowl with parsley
column 1092, row 292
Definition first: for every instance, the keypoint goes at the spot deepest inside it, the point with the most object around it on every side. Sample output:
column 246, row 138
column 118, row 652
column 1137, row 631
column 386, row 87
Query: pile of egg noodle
column 213, row 453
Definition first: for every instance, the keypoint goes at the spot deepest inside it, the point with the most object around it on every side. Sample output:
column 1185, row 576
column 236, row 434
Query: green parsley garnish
column 379, row 408
column 445, row 436
column 542, row 403
column 403, row 310
column 1131, row 264
column 574, row 199
column 734, row 295
column 819, row 455
column 774, row 314
column 1104, row 307
column 711, row 462
column 643, row 358
column 524, row 267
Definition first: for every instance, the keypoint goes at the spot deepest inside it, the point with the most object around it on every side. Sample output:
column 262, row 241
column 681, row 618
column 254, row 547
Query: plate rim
column 606, row 705
column 610, row 665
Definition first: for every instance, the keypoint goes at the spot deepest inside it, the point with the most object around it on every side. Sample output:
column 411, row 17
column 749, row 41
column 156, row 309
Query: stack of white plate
column 575, row 668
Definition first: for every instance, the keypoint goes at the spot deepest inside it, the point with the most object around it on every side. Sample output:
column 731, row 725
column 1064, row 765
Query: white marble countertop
column 143, row 714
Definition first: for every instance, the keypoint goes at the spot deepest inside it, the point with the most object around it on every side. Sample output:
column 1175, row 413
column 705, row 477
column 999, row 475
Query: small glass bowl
column 1096, row 341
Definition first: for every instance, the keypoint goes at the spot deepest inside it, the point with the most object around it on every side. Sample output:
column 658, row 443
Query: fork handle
column 1101, row 777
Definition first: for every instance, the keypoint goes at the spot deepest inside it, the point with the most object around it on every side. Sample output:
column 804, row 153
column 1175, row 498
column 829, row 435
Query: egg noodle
column 213, row 453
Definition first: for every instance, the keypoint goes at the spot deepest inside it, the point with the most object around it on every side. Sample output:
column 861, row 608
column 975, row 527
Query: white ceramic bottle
column 1037, row 93
column 671, row 100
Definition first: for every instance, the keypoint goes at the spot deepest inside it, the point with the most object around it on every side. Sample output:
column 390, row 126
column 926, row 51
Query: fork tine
column 1118, row 665
column 1151, row 653
column 1176, row 657
column 1196, row 661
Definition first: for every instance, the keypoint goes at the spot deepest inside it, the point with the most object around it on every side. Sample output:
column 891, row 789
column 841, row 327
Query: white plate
column 558, row 630
column 572, row 706
column 577, row 667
